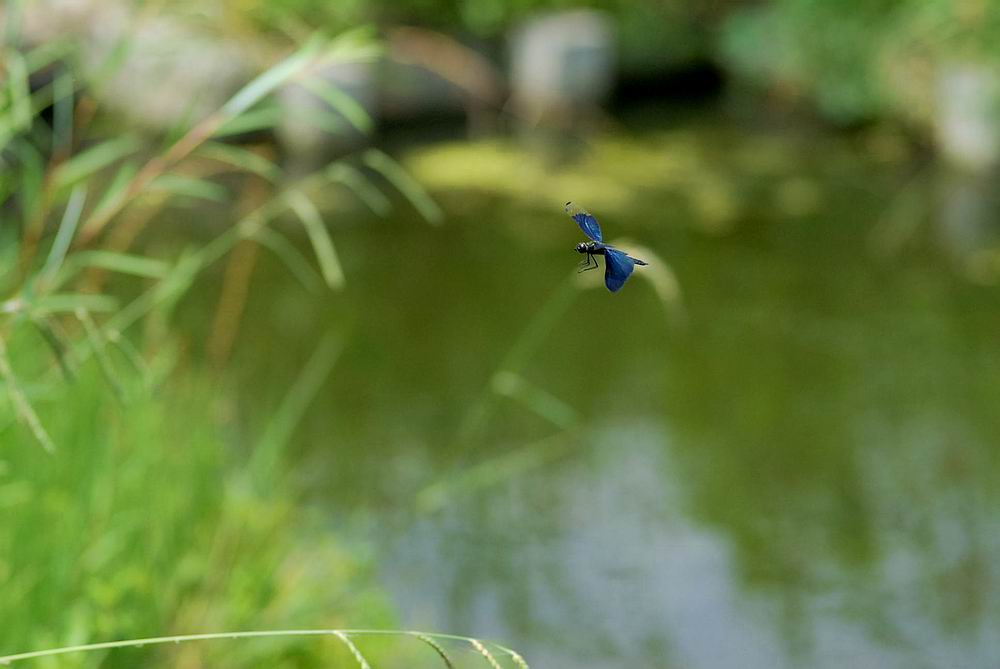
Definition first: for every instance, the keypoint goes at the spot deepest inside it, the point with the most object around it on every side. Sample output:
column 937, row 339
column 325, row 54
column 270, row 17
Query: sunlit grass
column 149, row 509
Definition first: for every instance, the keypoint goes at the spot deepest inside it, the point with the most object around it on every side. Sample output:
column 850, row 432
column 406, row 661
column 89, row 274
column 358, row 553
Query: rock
column 171, row 73
column 967, row 125
column 562, row 63
column 310, row 130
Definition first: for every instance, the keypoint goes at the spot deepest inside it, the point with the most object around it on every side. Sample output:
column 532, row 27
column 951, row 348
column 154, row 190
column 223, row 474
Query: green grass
column 144, row 523
column 133, row 502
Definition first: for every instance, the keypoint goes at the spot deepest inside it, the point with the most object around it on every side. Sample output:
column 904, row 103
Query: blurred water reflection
column 803, row 473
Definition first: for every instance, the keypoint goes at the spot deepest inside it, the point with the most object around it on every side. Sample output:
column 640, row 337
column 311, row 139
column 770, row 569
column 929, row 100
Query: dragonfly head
column 582, row 247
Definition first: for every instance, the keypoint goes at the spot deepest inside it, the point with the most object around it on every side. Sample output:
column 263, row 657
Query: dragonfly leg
column 589, row 266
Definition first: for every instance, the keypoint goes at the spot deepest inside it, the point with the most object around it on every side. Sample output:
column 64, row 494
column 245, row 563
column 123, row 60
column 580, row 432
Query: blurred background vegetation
column 291, row 334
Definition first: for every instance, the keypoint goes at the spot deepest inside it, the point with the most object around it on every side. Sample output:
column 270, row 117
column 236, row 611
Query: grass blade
column 32, row 176
column 60, row 349
column 98, row 345
column 63, row 94
column 242, row 158
column 47, row 53
column 405, row 184
column 262, row 634
column 322, row 244
column 282, row 424
column 290, row 257
column 113, row 261
column 191, row 187
column 340, row 102
column 437, row 649
column 478, row 645
column 18, row 91
column 70, row 302
column 355, row 181
column 64, row 236
column 535, row 399
column 22, row 407
column 517, row 659
column 132, row 355
column 112, row 197
column 88, row 162
column 362, row 662
column 263, row 118
column 254, row 91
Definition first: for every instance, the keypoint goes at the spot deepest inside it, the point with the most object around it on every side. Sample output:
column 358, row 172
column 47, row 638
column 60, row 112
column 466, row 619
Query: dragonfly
column 618, row 265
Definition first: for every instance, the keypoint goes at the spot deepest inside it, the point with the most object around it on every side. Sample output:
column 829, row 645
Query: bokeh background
column 293, row 337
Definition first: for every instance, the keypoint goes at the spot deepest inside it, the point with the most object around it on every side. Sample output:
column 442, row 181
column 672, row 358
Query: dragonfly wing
column 617, row 268
column 586, row 222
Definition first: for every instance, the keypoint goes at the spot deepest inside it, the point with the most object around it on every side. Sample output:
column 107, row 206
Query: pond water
column 792, row 464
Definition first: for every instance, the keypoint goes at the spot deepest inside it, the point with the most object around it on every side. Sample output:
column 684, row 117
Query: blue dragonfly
column 618, row 265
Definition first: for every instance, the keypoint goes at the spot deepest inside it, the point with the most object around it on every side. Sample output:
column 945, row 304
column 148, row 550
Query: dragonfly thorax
column 591, row 248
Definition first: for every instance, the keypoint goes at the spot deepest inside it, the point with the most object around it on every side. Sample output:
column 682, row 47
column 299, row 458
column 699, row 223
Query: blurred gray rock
column 310, row 130
column 171, row 72
column 968, row 115
column 562, row 63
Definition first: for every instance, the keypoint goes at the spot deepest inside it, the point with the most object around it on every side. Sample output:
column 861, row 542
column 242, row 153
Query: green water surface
column 780, row 451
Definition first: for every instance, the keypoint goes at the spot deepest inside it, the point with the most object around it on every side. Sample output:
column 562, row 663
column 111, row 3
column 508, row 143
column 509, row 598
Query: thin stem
column 183, row 638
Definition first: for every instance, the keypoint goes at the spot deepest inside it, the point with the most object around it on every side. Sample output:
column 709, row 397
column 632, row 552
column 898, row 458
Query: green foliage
column 142, row 524
column 135, row 517
column 860, row 59
column 653, row 32
column 76, row 206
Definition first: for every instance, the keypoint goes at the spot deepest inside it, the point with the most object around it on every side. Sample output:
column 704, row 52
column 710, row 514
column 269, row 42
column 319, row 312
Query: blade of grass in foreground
column 254, row 91
column 340, row 102
column 25, row 412
column 291, row 257
column 189, row 187
column 407, row 185
column 480, row 646
column 86, row 163
column 279, row 428
column 64, row 236
column 242, row 158
column 322, row 244
column 355, row 180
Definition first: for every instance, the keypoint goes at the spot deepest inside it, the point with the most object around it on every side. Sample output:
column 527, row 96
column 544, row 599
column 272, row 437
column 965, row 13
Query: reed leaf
column 535, row 399
column 190, row 187
column 98, row 346
column 290, row 257
column 60, row 349
column 113, row 261
column 22, row 407
column 31, row 170
column 320, row 238
column 339, row 101
column 112, row 197
column 405, row 184
column 64, row 236
column 281, row 425
column 356, row 181
column 267, row 82
column 69, row 302
column 86, row 163
column 262, row 118
column 241, row 158
column 18, row 91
